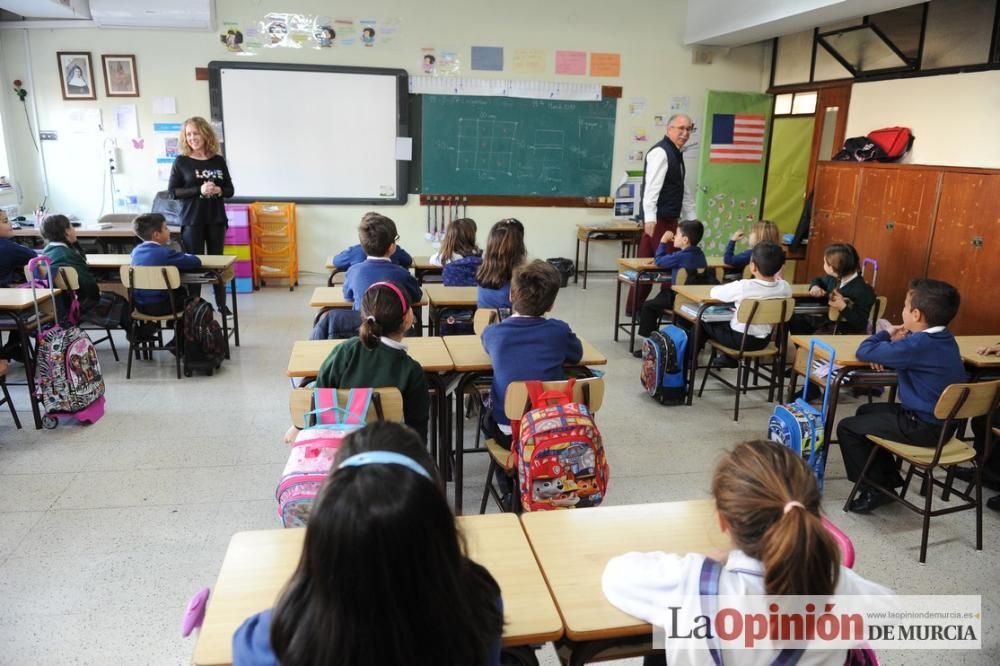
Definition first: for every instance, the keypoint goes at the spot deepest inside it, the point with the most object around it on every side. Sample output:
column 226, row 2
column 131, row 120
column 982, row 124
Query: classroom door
column 731, row 166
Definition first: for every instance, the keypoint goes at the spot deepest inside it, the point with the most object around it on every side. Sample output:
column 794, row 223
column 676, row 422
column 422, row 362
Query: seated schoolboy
column 378, row 240
column 845, row 290
column 155, row 250
column 687, row 255
column 356, row 253
column 925, row 356
column 527, row 346
column 13, row 258
column 766, row 260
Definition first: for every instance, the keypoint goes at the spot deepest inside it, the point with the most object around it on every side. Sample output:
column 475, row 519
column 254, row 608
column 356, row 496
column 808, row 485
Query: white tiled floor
column 106, row 530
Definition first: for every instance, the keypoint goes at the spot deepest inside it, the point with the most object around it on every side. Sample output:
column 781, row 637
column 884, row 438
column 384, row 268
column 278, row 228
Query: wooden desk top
column 699, row 293
column 573, row 547
column 438, row 294
column 847, row 345
column 647, row 264
column 968, row 344
column 308, row 355
column 583, row 231
column 209, row 262
column 258, row 564
column 422, row 263
column 468, row 354
column 13, row 299
column 117, row 230
column 333, row 297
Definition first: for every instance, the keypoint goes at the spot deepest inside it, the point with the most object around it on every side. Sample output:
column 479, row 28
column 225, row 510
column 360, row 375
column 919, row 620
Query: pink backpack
column 325, row 428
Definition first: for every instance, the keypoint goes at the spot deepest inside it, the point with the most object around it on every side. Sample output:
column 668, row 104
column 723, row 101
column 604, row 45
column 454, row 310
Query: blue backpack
column 800, row 426
column 662, row 372
column 461, row 272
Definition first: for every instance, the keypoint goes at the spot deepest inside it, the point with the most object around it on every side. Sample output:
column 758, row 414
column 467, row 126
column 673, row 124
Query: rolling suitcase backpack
column 662, row 370
column 68, row 378
column 325, row 428
column 204, row 341
column 800, row 426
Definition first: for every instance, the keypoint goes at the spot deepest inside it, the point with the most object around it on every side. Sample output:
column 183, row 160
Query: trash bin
column 565, row 268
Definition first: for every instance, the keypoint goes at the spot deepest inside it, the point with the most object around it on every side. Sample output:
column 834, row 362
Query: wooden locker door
column 834, row 205
column 895, row 219
column 966, row 249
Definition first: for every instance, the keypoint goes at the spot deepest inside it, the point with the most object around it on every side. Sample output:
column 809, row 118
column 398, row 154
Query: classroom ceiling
column 186, row 14
column 727, row 23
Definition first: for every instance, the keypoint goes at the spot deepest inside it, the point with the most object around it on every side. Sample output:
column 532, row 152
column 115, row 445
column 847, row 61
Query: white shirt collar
column 846, row 280
column 386, row 259
column 740, row 562
column 933, row 329
column 58, row 244
column 389, row 342
column 149, row 242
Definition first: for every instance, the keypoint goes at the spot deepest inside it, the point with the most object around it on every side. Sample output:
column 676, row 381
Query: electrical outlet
column 112, row 155
column 47, row 135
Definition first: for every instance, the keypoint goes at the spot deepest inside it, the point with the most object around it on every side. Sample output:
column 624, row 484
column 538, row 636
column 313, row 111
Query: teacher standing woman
column 665, row 197
column 200, row 181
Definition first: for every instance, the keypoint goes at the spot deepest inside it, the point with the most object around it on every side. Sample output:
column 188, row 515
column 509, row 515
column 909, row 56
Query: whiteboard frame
column 215, row 68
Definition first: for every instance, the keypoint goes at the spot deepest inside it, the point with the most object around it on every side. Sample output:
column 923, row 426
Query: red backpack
column 895, row 141
column 558, row 452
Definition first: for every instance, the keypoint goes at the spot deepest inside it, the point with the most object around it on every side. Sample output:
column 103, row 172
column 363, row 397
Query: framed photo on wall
column 76, row 74
column 120, row 77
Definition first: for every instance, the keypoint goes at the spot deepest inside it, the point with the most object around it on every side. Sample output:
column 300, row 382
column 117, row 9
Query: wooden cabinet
column 936, row 221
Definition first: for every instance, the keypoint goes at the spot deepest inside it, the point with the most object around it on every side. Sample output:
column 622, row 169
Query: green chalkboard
column 520, row 147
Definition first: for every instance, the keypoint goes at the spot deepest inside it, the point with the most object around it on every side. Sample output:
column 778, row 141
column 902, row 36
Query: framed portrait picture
column 76, row 74
column 120, row 78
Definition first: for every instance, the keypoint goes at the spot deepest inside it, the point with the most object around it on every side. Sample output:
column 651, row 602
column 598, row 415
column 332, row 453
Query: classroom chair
column 67, row 279
column 7, row 400
column 162, row 278
column 387, row 404
column 957, row 403
column 774, row 311
column 878, row 309
column 483, row 318
column 589, row 391
column 706, row 276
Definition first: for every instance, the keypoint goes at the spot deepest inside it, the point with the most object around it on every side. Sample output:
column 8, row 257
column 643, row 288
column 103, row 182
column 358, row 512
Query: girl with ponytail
column 377, row 357
column 769, row 505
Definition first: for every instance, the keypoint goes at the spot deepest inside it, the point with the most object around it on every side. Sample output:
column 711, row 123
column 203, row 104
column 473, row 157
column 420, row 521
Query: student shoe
column 967, row 474
column 224, row 311
column 993, row 503
column 868, row 500
column 637, row 353
column 725, row 362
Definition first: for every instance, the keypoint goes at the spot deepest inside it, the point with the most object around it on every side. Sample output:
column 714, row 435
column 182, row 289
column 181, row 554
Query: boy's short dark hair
column 147, row 224
column 534, row 287
column 937, row 300
column 54, row 228
column 768, row 257
column 693, row 229
column 377, row 234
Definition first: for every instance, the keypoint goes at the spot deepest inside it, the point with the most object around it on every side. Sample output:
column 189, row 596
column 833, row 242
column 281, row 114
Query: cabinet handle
column 977, row 242
column 890, row 225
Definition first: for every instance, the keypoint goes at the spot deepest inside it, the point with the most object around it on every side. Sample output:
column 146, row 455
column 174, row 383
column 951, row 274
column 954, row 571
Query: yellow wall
column 648, row 34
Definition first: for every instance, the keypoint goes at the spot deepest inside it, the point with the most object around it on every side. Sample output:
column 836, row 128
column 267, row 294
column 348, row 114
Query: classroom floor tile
column 107, row 530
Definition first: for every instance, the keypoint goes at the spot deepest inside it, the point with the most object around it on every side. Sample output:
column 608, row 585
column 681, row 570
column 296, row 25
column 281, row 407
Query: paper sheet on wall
column 163, row 167
column 605, row 64
column 165, row 106
column 528, row 61
column 404, row 148
column 571, row 62
column 167, row 140
column 679, row 104
column 81, row 121
column 487, row 58
column 126, row 120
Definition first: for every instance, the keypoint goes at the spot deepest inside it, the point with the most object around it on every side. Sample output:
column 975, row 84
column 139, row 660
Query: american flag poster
column 737, row 137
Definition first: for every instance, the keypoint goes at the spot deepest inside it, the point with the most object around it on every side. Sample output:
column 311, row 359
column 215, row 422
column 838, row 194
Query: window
column 795, row 104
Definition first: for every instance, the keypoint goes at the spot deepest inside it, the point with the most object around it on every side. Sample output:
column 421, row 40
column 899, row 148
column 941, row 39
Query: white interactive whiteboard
column 312, row 134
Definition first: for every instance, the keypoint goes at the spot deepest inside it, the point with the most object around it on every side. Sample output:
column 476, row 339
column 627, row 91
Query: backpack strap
column 708, row 589
column 356, row 410
column 325, row 407
column 541, row 398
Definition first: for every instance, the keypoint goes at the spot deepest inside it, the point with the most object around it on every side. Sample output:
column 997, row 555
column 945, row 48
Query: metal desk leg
column 586, row 259
column 695, row 339
column 576, row 262
column 236, row 312
column 618, row 308
column 29, row 368
column 225, row 319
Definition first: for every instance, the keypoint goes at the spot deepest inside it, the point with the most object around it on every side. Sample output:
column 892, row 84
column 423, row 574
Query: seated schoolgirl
column 504, row 252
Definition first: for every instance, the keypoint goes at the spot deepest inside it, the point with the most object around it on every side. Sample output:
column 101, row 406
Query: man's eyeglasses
column 683, row 128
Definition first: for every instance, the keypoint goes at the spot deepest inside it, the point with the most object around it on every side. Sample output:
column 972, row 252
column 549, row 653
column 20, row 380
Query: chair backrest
column 67, row 278
column 765, row 310
column 717, row 273
column 966, row 401
column 516, row 400
column 150, row 277
column 483, row 318
column 300, row 402
column 878, row 308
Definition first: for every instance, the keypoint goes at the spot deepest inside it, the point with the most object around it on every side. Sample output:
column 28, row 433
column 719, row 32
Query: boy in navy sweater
column 378, row 240
column 156, row 251
column 356, row 254
column 925, row 356
column 526, row 345
column 687, row 255
column 13, row 259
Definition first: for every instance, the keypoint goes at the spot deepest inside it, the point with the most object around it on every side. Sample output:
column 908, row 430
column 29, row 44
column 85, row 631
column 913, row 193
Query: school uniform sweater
column 860, row 298
column 13, row 258
column 736, row 262
column 355, row 255
column 73, row 256
column 690, row 258
column 925, row 364
column 527, row 348
column 352, row 365
column 186, row 178
column 378, row 269
column 736, row 292
column 493, row 298
column 151, row 253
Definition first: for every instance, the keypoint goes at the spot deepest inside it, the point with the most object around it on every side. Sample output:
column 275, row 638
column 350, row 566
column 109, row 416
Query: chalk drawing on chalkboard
column 589, row 138
column 486, row 145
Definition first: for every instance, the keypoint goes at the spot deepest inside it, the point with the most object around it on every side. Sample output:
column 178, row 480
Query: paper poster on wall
column 388, row 30
column 659, row 119
column 275, row 30
column 449, row 63
column 167, row 139
column 635, row 155
column 368, row 32
column 636, row 106
column 233, row 38
column 347, row 31
column 528, row 61
column 487, row 58
column 163, row 167
column 126, row 120
column 605, row 64
column 571, row 62
column 165, row 106
column 679, row 104
column 83, row 121
column 428, row 61
column 693, row 147
column 324, row 33
column 639, row 135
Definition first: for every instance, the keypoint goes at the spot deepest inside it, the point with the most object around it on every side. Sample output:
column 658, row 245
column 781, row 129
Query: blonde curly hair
column 207, row 133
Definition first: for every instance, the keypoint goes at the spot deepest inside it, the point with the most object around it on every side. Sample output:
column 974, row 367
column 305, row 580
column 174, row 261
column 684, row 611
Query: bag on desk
column 662, row 370
column 452, row 321
column 204, row 341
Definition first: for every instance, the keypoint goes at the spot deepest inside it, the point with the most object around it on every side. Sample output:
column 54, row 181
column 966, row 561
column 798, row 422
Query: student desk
column 699, row 294
column 259, row 563
column 641, row 264
column 441, row 296
column 628, row 233
column 332, row 298
column 573, row 547
column 422, row 267
column 215, row 269
column 472, row 363
column 308, row 355
column 979, row 364
column 120, row 235
column 19, row 306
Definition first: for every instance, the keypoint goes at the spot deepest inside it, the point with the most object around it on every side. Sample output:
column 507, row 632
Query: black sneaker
column 637, row 353
column 225, row 311
column 725, row 362
column 993, row 503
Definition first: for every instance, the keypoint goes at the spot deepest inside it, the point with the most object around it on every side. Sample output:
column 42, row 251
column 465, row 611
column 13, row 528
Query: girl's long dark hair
column 504, row 251
column 382, row 313
column 460, row 238
column 383, row 578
